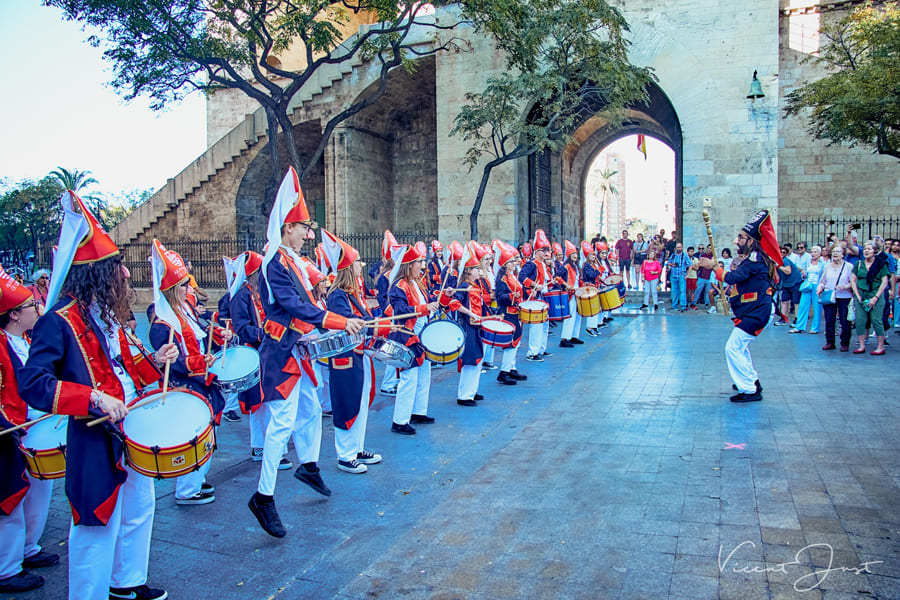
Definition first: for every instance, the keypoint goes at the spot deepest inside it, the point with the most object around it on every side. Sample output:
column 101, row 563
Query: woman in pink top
column 650, row 271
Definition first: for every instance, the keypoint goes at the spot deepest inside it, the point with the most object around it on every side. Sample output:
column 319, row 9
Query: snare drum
column 332, row 344
column 587, row 301
column 558, row 302
column 610, row 299
column 614, row 279
column 443, row 341
column 533, row 311
column 497, row 333
column 236, row 369
column 390, row 352
column 45, row 448
column 171, row 437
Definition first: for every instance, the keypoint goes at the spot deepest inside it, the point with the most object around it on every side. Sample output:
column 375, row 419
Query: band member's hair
column 386, row 266
column 467, row 272
column 104, row 283
column 345, row 280
column 405, row 271
column 178, row 306
column 755, row 246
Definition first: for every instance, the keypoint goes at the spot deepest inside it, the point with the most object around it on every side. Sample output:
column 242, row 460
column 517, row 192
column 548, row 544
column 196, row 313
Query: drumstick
column 169, row 365
column 225, row 347
column 27, row 424
column 145, row 402
column 391, row 318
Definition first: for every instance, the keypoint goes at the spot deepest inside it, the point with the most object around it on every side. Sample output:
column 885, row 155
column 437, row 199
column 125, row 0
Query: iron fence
column 814, row 230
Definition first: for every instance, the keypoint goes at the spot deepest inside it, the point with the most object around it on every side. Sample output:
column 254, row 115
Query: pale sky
column 58, row 111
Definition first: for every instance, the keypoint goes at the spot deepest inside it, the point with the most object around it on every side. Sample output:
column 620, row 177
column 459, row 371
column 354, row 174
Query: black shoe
column 505, row 378
column 208, row 488
column 566, row 344
column 403, row 429
column 479, row 397
column 742, row 397
column 200, row 497
column 21, row 582
column 488, row 366
column 141, row 592
column 421, row 419
column 575, row 341
column 759, row 387
column 267, row 515
column 535, row 358
column 592, row 332
column 231, row 416
column 40, row 560
column 466, row 402
column 518, row 376
column 643, row 306
column 312, row 478
column 547, row 353
column 608, row 320
column 655, row 307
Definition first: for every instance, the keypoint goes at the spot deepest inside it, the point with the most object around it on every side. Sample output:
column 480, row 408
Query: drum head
column 534, row 305
column 175, row 421
column 586, row 291
column 498, row 326
column 238, row 362
column 443, row 337
column 49, row 433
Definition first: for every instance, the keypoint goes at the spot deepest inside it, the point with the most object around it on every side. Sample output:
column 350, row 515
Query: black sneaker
column 466, row 402
column 742, row 397
column 421, row 419
column 403, row 429
column 575, row 341
column 547, row 353
column 40, row 560
column 313, row 479
column 759, row 387
column 21, row 582
column 505, row 378
column 478, row 397
column 231, row 416
column 141, row 592
column 518, row 376
column 352, row 466
column 208, row 488
column 390, row 392
column 285, row 464
column 488, row 366
column 566, row 344
column 200, row 497
column 534, row 358
column 592, row 332
column 267, row 515
column 368, row 458
column 643, row 306
column 256, row 454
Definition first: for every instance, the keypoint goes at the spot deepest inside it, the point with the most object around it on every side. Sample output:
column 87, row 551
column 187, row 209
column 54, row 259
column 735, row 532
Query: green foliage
column 74, row 180
column 858, row 102
column 567, row 58
column 31, row 214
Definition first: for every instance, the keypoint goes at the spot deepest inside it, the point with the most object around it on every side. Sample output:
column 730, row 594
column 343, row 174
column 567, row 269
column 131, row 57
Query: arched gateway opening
column 556, row 182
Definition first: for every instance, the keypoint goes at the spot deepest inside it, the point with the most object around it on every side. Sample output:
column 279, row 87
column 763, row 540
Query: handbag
column 830, row 296
column 806, row 286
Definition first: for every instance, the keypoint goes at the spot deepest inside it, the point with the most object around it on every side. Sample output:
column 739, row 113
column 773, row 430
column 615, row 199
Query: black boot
column 504, row 378
column 518, row 376
column 566, row 344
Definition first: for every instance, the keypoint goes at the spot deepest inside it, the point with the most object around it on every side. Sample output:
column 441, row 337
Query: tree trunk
column 287, row 129
column 275, row 180
column 485, row 176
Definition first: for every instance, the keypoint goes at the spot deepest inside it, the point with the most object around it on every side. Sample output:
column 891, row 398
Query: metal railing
column 813, row 231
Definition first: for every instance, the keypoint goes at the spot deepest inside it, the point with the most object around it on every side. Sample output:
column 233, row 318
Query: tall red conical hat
column 410, row 253
column 96, row 245
column 601, row 246
column 526, row 250
column 478, row 250
column 557, row 249
column 456, row 250
column 422, row 248
column 760, row 228
column 290, row 188
column 586, row 248
column 472, row 259
column 540, row 240
column 175, row 272
column 386, row 243
column 507, row 253
column 315, row 275
column 436, row 246
column 338, row 252
column 12, row 293
column 487, row 249
column 253, row 262
column 570, row 249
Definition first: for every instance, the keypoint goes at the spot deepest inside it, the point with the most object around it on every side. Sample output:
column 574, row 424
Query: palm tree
column 606, row 189
column 73, row 180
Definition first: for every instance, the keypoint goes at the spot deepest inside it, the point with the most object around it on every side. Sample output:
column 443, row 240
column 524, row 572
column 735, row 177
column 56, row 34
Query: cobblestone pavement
column 618, row 470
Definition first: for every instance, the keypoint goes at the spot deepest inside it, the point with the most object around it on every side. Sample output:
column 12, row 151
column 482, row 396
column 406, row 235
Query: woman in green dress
column 869, row 282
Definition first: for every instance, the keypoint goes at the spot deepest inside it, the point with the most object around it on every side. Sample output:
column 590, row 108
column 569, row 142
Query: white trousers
column 298, row 417
column 348, row 442
column 21, row 531
column 740, row 363
column 258, row 422
column 572, row 326
column 231, row 403
column 469, row 377
column 323, row 375
column 537, row 337
column 116, row 555
column 412, row 393
column 487, row 352
column 390, row 379
column 509, row 359
column 188, row 485
column 591, row 322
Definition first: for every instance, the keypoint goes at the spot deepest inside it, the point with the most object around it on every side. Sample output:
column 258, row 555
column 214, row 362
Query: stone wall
column 816, row 179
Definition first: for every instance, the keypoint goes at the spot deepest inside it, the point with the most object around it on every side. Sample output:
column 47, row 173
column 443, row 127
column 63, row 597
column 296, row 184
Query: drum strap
column 355, row 302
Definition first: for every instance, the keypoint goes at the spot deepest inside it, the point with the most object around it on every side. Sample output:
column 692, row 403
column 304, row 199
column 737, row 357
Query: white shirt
column 803, row 261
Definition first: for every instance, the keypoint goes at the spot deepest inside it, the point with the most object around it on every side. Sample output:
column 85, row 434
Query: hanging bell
column 755, row 88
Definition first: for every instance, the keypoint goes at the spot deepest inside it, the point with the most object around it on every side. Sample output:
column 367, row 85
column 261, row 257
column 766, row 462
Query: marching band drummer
column 488, row 301
column 222, row 318
column 247, row 318
column 80, row 364
column 509, row 292
column 24, row 500
column 286, row 377
column 450, row 274
column 607, row 270
column 353, row 373
column 591, row 274
column 567, row 276
column 535, row 277
column 435, row 265
column 469, row 305
column 406, row 296
column 383, row 284
column 191, row 370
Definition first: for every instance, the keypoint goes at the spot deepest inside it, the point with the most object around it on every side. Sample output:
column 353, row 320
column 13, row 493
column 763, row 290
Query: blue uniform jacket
column 347, row 370
column 13, row 482
column 504, row 286
column 247, row 321
column 751, row 299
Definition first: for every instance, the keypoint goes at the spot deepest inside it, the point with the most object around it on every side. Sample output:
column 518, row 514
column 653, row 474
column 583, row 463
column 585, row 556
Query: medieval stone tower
column 394, row 165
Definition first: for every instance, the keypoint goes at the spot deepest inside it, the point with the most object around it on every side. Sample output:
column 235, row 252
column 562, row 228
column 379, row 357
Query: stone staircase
column 248, row 133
